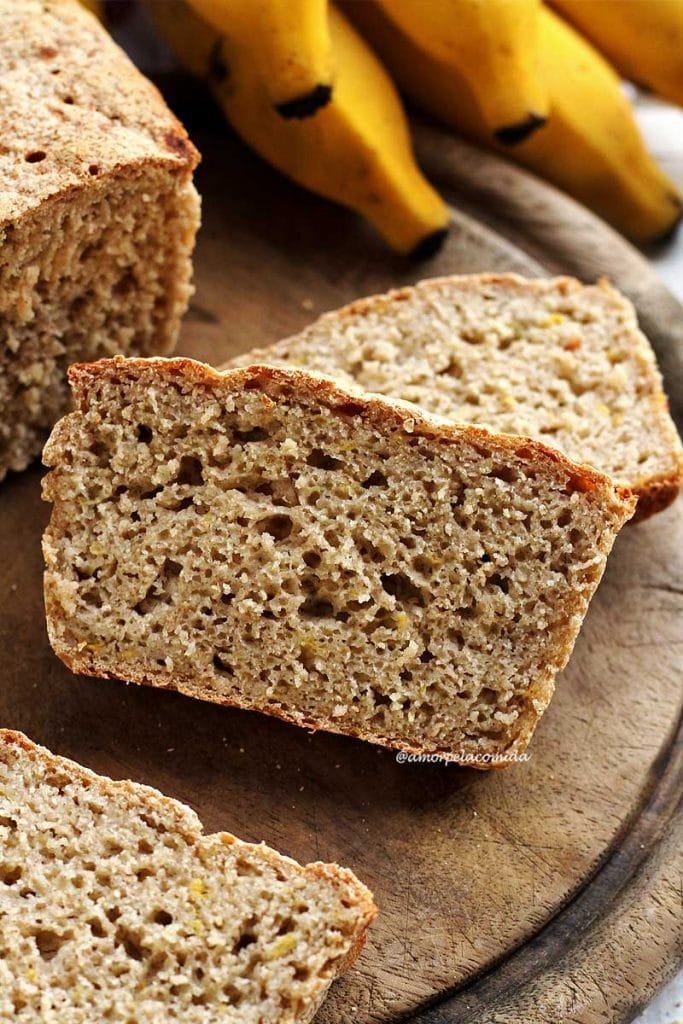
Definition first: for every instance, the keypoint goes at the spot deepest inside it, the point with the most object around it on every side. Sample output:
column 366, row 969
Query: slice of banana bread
column 97, row 213
column 560, row 361
column 267, row 539
column 114, row 906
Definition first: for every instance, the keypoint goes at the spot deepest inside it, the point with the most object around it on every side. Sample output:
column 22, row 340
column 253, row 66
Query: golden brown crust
column 347, row 402
column 656, row 495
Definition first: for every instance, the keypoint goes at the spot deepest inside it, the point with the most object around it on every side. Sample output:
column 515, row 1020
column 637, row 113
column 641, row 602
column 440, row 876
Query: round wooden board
column 546, row 892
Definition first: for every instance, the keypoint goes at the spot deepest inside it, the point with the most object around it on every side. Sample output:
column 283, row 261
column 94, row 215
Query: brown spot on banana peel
column 307, row 104
column 513, row 134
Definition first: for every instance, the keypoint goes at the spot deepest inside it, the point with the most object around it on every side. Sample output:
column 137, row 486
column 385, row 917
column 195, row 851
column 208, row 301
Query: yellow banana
column 494, row 45
column 356, row 150
column 642, row 38
column 288, row 42
column 591, row 146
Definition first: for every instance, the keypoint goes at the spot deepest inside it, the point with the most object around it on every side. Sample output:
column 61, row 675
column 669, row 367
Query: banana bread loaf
column 97, row 213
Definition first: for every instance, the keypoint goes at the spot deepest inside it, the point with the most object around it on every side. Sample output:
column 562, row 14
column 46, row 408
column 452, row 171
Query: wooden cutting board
column 550, row 891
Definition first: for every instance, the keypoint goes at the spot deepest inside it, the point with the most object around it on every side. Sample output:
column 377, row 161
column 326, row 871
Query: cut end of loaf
column 268, row 539
column 115, row 906
column 553, row 359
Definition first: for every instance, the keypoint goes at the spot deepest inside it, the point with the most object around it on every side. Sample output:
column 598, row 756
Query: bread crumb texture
column 114, row 907
column 554, row 359
column 267, row 539
column 97, row 213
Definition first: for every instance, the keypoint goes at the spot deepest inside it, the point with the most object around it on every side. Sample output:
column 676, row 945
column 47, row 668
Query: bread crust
column 613, row 499
column 382, row 410
column 100, row 117
column 653, row 493
column 187, row 822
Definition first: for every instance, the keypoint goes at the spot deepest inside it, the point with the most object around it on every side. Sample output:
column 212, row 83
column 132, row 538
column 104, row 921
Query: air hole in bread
column 321, row 460
column 49, row 943
column 506, row 473
column 191, row 471
column 252, row 435
column 401, row 587
column 316, row 607
column 278, row 526
column 453, row 368
column 126, row 284
column 130, row 943
column 233, row 995
column 163, row 918
column 246, row 939
column 97, row 928
column 10, row 874
column 502, row 582
column 222, row 665
column 423, row 565
column 376, row 479
column 151, row 493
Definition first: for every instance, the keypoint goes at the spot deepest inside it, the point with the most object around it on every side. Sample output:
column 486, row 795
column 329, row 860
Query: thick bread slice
column 97, row 213
column 114, row 906
column 268, row 539
column 560, row 361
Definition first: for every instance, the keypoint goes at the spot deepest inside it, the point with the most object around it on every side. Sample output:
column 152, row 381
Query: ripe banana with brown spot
column 591, row 146
column 642, row 38
column 494, row 45
column 287, row 41
column 355, row 150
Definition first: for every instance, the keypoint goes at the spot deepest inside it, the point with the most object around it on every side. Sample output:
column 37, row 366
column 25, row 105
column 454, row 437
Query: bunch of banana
column 355, row 150
column 591, row 146
column 299, row 83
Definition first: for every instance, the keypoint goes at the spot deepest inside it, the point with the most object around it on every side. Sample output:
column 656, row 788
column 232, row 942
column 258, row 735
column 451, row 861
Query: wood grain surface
column 547, row 892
